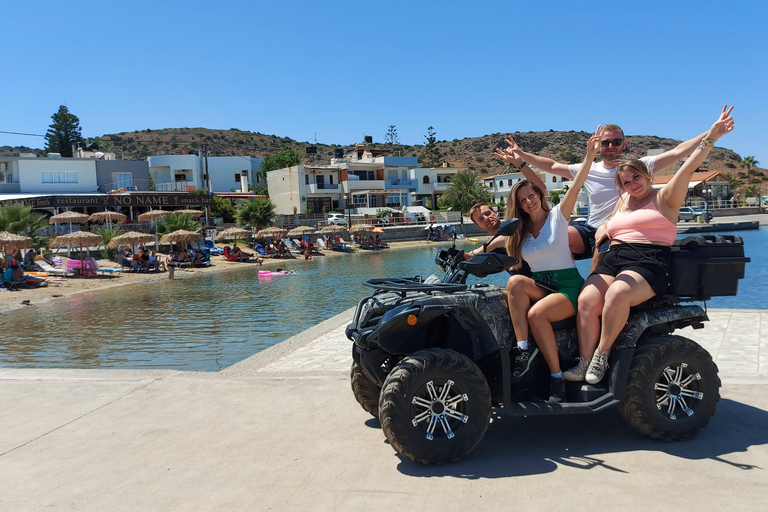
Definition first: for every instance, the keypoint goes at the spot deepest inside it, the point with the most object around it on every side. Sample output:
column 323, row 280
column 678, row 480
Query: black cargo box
column 705, row 266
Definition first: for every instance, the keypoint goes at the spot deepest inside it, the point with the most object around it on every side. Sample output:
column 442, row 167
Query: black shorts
column 652, row 262
column 587, row 233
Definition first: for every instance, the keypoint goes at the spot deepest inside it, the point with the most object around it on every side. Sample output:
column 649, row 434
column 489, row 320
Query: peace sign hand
column 723, row 125
column 593, row 144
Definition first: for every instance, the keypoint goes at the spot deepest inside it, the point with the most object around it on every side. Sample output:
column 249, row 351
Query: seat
column 111, row 272
column 9, row 283
column 212, row 247
column 125, row 263
column 53, row 271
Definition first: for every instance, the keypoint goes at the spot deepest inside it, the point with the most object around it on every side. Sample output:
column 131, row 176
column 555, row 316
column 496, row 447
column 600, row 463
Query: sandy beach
column 10, row 300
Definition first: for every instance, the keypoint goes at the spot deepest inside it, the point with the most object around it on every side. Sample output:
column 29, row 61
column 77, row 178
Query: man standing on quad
column 600, row 182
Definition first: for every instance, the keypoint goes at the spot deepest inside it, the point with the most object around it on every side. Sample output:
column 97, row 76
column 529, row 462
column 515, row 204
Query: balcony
column 352, row 185
column 443, row 185
column 401, row 184
column 327, row 188
column 147, row 186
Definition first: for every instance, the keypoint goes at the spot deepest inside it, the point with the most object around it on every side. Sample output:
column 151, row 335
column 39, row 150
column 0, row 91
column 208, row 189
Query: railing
column 147, row 185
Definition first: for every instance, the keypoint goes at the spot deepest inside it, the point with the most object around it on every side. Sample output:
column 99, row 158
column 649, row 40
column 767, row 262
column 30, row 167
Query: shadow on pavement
column 537, row 445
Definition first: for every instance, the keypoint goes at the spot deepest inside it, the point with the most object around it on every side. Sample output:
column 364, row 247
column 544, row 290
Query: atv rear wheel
column 435, row 406
column 366, row 391
column 672, row 390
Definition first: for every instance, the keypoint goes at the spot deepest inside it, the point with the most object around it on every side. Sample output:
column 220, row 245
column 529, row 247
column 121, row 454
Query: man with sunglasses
column 600, row 182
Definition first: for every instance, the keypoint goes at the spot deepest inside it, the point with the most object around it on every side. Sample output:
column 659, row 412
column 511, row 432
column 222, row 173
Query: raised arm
column 540, row 162
column 672, row 196
column 682, row 150
column 569, row 201
column 508, row 155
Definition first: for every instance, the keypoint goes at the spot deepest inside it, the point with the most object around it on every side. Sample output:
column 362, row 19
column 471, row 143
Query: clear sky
column 337, row 70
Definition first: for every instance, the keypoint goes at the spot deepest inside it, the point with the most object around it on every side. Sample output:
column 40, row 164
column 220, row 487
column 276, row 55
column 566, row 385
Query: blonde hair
column 613, row 127
column 635, row 167
column 513, row 210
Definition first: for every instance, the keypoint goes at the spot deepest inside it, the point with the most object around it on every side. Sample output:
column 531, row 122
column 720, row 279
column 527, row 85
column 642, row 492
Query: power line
column 18, row 133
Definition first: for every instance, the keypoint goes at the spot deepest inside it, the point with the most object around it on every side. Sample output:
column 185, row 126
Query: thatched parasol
column 234, row 233
column 273, row 232
column 301, row 231
column 69, row 217
column 195, row 214
column 12, row 240
column 130, row 238
column 180, row 235
column 107, row 216
column 153, row 215
column 334, row 229
column 358, row 228
column 79, row 238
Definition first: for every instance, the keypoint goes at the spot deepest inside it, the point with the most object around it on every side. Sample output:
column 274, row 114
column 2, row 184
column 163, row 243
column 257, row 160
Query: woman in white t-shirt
column 551, row 293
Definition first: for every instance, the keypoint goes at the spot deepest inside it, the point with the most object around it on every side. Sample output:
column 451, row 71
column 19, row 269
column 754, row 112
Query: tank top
column 645, row 225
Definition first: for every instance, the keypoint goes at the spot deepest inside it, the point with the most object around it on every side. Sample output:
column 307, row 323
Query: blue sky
column 339, row 70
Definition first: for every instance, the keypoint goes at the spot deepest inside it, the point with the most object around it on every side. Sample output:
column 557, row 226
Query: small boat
column 474, row 240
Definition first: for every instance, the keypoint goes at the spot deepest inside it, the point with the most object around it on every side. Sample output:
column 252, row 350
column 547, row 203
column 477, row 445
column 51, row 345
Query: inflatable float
column 269, row 273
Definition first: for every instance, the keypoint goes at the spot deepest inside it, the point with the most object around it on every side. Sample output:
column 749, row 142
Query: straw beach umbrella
column 153, row 215
column 273, row 232
column 300, row 231
column 130, row 238
column 195, row 214
column 358, row 228
column 12, row 240
column 180, row 235
column 334, row 229
column 69, row 218
column 79, row 238
column 233, row 234
column 107, row 216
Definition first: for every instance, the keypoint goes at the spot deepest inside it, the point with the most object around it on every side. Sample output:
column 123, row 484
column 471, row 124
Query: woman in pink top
column 636, row 268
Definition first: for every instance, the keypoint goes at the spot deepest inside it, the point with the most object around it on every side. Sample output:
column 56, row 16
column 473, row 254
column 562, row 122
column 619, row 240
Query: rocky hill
column 474, row 153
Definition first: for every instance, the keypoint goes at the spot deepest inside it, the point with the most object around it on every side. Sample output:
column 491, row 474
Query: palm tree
column 257, row 213
column 748, row 163
column 175, row 222
column 465, row 189
column 107, row 233
column 19, row 219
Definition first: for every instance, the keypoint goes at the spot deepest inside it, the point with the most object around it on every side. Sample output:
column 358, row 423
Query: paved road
column 281, row 431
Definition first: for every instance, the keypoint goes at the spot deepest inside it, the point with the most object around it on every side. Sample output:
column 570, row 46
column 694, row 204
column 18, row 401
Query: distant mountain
column 474, row 153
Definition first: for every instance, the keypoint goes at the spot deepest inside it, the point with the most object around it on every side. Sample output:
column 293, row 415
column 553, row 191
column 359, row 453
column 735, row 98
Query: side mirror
column 508, row 227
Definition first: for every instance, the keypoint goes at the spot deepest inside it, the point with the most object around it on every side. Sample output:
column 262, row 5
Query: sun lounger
column 111, row 272
column 58, row 272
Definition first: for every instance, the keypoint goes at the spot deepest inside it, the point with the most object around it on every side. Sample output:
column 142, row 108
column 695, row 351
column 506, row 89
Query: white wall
column 222, row 170
column 31, row 178
column 286, row 187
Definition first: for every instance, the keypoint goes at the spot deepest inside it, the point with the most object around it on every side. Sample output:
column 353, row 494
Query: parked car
column 706, row 213
column 337, row 219
column 688, row 213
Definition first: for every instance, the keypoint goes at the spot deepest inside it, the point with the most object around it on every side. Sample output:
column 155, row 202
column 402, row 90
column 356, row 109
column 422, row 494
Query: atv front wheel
column 435, row 406
column 672, row 390
column 366, row 391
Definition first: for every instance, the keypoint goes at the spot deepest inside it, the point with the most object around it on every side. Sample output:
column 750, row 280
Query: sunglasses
column 608, row 142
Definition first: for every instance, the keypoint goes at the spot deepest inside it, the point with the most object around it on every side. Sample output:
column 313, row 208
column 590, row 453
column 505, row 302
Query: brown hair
column 515, row 242
column 635, row 167
column 475, row 207
column 613, row 127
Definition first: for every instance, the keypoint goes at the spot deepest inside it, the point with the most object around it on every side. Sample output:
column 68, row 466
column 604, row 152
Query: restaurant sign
column 117, row 200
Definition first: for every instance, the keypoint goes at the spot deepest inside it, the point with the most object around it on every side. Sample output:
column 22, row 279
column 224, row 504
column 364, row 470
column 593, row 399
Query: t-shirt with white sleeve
column 601, row 189
column 549, row 250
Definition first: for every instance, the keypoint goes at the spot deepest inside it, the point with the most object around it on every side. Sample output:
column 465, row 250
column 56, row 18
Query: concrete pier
column 282, row 431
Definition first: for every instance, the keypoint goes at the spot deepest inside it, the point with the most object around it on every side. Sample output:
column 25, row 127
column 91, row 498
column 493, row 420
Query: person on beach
column 550, row 294
column 641, row 230
column 600, row 182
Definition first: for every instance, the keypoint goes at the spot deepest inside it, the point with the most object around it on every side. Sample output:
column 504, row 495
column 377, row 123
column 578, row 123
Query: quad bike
column 432, row 357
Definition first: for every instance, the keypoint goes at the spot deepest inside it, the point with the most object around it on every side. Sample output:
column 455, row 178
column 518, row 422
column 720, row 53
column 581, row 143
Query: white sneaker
column 578, row 372
column 597, row 367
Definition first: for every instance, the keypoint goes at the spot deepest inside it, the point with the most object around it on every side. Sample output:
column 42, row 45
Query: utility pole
column 207, row 182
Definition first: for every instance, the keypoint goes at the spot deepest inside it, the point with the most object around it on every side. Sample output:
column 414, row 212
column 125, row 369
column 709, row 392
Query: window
column 180, row 177
column 554, row 179
column 237, row 177
column 306, row 179
column 59, row 177
column 123, row 179
column 509, row 182
column 330, row 179
column 365, row 175
column 425, row 180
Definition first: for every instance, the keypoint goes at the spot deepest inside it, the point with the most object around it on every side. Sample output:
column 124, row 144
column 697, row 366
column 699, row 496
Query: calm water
column 216, row 320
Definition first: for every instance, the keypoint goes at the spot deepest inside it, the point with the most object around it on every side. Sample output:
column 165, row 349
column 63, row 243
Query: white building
column 363, row 179
column 187, row 172
column 32, row 175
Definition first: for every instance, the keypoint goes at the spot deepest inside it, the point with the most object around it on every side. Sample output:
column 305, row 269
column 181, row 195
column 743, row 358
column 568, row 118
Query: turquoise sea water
column 216, row 320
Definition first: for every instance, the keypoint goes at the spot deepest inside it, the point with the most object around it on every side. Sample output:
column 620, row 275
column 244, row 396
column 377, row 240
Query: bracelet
column 522, row 164
column 706, row 142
